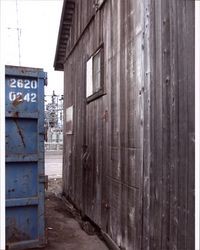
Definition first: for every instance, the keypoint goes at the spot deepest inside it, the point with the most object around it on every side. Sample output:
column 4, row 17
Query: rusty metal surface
column 25, row 178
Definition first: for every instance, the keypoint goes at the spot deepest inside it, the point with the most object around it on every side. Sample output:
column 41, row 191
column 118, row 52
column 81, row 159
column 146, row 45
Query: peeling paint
column 20, row 132
column 18, row 100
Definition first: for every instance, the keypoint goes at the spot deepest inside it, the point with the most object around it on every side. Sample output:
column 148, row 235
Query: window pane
column 94, row 75
column 89, row 87
column 96, row 72
column 69, row 120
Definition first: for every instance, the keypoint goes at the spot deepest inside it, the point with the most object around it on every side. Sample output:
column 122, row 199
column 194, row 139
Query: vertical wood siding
column 168, row 206
column 129, row 164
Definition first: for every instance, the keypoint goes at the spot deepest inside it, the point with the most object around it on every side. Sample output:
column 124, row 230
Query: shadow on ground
column 63, row 224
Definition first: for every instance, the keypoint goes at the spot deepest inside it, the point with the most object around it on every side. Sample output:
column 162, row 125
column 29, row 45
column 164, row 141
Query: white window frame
column 91, row 94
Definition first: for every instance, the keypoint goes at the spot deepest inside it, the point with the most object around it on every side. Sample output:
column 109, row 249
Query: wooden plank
column 174, row 100
column 123, row 152
column 79, row 120
column 148, row 109
column 183, row 127
column 106, row 169
column 138, row 123
column 115, row 199
column 156, row 136
column 190, row 52
column 166, row 126
column 134, row 222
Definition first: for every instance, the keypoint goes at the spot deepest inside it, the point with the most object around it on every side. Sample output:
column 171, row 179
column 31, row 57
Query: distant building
column 54, row 122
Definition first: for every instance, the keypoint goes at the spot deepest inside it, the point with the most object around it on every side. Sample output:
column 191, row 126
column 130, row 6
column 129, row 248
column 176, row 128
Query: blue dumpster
column 25, row 179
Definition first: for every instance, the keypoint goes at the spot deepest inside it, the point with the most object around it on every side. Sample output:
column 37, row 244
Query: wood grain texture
column 129, row 164
column 171, row 170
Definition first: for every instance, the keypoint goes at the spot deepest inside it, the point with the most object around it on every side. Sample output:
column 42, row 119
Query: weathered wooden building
column 129, row 118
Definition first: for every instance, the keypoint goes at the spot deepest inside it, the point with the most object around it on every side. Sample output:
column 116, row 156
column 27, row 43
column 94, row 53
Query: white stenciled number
column 13, row 83
column 23, row 83
column 27, row 97
column 27, row 84
column 34, row 84
column 12, row 96
column 20, row 83
column 33, row 97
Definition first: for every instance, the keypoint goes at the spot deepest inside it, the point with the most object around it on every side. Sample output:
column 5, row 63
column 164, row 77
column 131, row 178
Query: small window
column 69, row 120
column 94, row 79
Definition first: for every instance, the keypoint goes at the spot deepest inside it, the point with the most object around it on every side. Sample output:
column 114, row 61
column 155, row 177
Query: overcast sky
column 38, row 22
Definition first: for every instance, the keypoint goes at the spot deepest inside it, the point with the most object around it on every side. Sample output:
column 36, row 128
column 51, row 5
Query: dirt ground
column 64, row 224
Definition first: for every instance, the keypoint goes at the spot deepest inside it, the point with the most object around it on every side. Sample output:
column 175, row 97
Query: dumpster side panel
column 25, row 227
